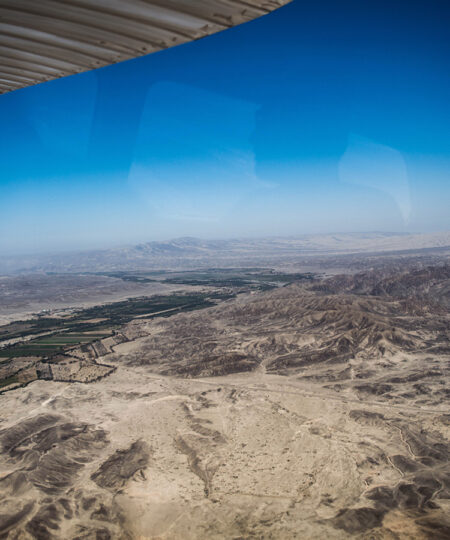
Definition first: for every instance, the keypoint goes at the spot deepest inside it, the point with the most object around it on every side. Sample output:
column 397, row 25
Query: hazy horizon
column 338, row 122
column 237, row 238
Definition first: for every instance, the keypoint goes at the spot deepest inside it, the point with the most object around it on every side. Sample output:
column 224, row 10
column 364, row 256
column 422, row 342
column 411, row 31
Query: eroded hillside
column 314, row 410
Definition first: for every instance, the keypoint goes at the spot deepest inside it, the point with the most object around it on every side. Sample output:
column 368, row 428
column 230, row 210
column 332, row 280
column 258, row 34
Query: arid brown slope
column 304, row 412
column 430, row 284
column 365, row 344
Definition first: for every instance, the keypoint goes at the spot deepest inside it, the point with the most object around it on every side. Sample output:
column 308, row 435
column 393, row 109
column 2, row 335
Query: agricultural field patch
column 88, row 325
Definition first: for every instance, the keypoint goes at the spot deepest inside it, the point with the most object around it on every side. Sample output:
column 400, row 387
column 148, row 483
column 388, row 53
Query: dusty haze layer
column 182, row 253
column 318, row 409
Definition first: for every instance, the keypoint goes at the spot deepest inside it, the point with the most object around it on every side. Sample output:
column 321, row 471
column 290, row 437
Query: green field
column 79, row 328
column 250, row 279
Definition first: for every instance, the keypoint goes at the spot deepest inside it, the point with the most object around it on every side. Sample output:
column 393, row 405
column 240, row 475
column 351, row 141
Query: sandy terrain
column 310, row 411
column 244, row 456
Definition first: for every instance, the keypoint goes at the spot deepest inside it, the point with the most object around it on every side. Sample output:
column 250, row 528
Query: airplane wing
column 41, row 40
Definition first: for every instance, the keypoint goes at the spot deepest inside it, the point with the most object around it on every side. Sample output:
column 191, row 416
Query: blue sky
column 320, row 117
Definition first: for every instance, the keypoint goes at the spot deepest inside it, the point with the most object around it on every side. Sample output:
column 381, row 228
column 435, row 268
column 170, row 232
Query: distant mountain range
column 188, row 252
